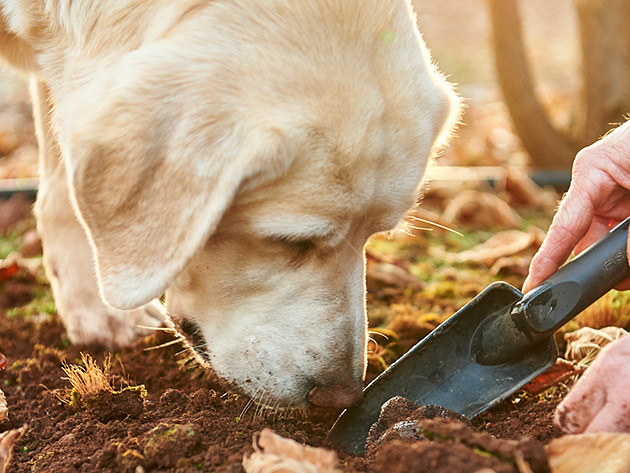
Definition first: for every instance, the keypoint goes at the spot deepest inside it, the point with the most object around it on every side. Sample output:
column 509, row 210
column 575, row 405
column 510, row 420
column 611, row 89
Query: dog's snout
column 338, row 396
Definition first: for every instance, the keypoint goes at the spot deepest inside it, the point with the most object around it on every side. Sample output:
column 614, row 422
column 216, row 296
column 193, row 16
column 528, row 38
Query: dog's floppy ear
column 152, row 169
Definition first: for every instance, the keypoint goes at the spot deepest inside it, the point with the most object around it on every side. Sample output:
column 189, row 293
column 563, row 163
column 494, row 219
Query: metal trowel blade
column 440, row 370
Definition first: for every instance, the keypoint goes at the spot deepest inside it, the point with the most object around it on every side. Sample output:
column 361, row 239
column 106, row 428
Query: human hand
column 597, row 200
column 600, row 401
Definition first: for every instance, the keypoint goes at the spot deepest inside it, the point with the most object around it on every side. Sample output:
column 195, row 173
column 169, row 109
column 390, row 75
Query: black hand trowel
column 493, row 345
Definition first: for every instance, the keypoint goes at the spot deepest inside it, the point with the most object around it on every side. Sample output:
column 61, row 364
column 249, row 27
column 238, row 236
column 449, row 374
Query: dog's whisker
column 158, row 329
column 246, row 408
column 258, row 404
column 424, row 229
column 435, row 224
column 252, row 399
column 163, row 345
column 262, row 405
column 381, row 334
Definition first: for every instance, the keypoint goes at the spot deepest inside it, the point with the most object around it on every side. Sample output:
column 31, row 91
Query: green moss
column 443, row 289
column 483, row 452
column 9, row 243
column 93, row 401
column 75, row 399
column 160, row 435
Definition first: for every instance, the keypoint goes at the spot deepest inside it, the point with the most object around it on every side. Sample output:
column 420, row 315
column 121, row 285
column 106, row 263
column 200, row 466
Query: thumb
column 569, row 226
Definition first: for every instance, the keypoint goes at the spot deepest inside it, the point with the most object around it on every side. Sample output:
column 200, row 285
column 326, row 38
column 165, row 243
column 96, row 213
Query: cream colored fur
column 235, row 154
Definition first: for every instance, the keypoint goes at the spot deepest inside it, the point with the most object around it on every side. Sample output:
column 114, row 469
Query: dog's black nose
column 338, row 396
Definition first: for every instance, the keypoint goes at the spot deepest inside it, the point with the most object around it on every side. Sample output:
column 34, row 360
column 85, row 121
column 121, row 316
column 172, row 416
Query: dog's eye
column 300, row 246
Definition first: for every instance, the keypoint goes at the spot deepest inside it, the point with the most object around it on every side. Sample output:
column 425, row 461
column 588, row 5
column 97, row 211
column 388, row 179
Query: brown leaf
column 558, row 373
column 31, row 244
column 518, row 265
column 4, row 410
column 7, row 439
column 12, row 211
column 379, row 275
column 274, row 454
column 523, row 191
column 480, row 209
column 500, row 245
column 585, row 343
column 588, row 453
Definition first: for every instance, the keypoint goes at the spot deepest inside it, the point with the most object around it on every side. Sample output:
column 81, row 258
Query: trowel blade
column 440, row 370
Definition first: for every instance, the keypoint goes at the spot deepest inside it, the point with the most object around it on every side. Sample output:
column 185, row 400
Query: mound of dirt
column 408, row 437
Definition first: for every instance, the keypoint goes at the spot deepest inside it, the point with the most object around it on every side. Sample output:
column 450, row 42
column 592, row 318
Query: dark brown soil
column 187, row 423
column 408, row 437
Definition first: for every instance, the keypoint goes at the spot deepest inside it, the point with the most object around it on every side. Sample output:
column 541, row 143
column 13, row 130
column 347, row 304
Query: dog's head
column 239, row 163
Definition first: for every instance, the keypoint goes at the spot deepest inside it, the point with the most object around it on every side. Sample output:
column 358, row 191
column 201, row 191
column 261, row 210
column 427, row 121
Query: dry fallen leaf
column 31, row 244
column 500, row 245
column 589, row 453
column 12, row 211
column 518, row 265
column 7, row 439
column 522, row 190
column 379, row 275
column 4, row 410
column 584, row 344
column 480, row 209
column 558, row 373
column 274, row 454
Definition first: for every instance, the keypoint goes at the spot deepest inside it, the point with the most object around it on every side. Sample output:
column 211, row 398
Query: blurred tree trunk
column 605, row 36
column 605, row 39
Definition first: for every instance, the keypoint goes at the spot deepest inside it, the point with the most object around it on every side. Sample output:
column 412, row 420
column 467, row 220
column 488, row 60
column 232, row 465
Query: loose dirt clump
column 92, row 391
column 407, row 437
column 523, row 415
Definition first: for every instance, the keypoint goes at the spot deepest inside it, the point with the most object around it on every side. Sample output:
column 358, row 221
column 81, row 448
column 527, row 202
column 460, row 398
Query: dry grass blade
column 89, row 379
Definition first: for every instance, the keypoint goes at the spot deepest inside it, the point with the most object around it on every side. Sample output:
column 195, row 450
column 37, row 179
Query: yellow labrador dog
column 234, row 155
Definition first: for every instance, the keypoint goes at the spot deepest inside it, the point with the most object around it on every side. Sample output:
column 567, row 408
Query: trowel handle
column 577, row 284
